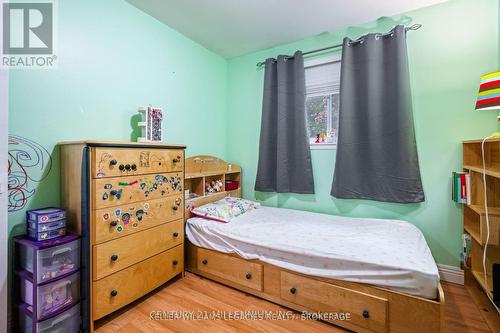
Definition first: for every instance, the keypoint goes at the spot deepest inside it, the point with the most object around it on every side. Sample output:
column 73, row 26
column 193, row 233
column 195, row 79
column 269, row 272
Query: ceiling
column 232, row 28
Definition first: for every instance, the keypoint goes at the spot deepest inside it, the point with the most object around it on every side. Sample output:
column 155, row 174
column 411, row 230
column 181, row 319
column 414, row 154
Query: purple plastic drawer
column 45, row 215
column 46, row 235
column 65, row 322
column 50, row 259
column 40, row 227
column 47, row 299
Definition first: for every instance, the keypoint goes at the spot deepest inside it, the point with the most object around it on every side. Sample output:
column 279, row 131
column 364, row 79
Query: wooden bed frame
column 355, row 306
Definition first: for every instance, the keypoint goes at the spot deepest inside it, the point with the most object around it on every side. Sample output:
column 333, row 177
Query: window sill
column 322, row 146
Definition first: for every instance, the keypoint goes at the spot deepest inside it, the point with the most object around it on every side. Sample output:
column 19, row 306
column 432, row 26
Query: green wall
column 447, row 56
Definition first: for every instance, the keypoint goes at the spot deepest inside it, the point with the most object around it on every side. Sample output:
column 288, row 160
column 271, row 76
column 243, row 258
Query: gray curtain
column 376, row 152
column 284, row 155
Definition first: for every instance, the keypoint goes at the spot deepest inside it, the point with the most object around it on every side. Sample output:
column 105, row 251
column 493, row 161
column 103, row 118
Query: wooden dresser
column 126, row 200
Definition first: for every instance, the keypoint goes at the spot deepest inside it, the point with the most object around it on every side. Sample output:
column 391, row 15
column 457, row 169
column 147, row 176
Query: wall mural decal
column 29, row 164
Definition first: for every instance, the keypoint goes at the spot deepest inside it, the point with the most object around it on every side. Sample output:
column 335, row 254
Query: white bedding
column 386, row 253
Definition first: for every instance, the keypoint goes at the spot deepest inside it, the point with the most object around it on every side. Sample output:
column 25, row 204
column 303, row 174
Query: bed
column 385, row 253
column 380, row 272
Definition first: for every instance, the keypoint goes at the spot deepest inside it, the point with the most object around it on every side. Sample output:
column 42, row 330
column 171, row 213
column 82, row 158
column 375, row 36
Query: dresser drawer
column 229, row 268
column 110, row 192
column 366, row 311
column 113, row 162
column 119, row 289
column 111, row 223
column 120, row 253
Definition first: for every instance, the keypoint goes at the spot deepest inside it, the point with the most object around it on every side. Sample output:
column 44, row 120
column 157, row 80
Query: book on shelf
column 460, row 188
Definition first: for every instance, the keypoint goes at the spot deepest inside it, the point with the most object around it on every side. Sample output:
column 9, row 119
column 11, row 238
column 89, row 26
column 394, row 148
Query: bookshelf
column 202, row 170
column 474, row 216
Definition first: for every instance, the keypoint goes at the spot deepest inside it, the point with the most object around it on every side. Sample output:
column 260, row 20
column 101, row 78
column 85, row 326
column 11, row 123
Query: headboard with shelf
column 201, row 171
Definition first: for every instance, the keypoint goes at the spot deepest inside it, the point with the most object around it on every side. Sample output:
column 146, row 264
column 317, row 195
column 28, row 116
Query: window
column 322, row 101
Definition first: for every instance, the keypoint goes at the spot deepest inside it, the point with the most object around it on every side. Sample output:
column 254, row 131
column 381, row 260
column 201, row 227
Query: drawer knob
column 114, row 223
column 121, row 167
column 175, row 262
column 176, row 234
column 204, row 262
column 175, row 207
column 114, row 257
column 177, row 159
column 112, row 162
column 114, row 293
column 127, row 167
column 366, row 314
column 293, row 290
column 116, row 193
column 133, row 166
column 248, row 276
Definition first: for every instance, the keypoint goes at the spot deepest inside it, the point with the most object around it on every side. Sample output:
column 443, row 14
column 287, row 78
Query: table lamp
column 488, row 97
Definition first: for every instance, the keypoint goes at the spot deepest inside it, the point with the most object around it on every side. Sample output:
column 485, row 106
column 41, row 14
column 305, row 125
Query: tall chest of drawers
column 126, row 200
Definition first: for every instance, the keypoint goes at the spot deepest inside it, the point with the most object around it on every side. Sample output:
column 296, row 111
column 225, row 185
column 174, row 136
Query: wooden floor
column 202, row 297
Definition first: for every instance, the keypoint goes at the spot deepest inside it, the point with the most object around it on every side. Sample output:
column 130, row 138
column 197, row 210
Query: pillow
column 225, row 209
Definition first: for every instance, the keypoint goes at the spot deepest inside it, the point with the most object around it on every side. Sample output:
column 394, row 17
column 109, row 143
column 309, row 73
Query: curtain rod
column 412, row 27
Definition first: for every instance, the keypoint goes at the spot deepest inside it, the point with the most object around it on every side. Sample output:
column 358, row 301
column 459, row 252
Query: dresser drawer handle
column 175, row 207
column 176, row 234
column 112, row 162
column 114, row 223
column 366, row 314
column 114, row 257
column 204, row 262
column 177, row 159
column 114, row 293
column 293, row 290
column 175, row 262
column 248, row 276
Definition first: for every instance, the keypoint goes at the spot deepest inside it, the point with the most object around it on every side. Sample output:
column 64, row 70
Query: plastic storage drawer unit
column 49, row 259
column 47, row 299
column 65, row 322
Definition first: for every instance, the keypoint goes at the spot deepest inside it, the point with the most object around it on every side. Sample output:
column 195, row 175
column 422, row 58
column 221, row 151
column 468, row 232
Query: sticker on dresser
column 115, row 222
column 113, row 162
column 110, row 192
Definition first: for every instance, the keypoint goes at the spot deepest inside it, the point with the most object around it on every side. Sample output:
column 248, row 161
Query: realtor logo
column 28, row 34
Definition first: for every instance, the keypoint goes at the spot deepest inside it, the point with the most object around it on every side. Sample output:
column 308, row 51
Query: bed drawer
column 229, row 268
column 111, row 223
column 117, row 254
column 119, row 289
column 111, row 192
column 113, row 162
column 366, row 311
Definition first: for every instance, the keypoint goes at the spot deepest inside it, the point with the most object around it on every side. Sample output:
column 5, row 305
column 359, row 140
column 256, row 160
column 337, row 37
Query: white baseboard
column 451, row 274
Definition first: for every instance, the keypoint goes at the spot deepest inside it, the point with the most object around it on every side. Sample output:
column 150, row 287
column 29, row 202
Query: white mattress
column 387, row 253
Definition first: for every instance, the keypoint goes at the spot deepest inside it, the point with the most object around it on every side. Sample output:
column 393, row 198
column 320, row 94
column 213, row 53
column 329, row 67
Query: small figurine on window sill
column 317, row 138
